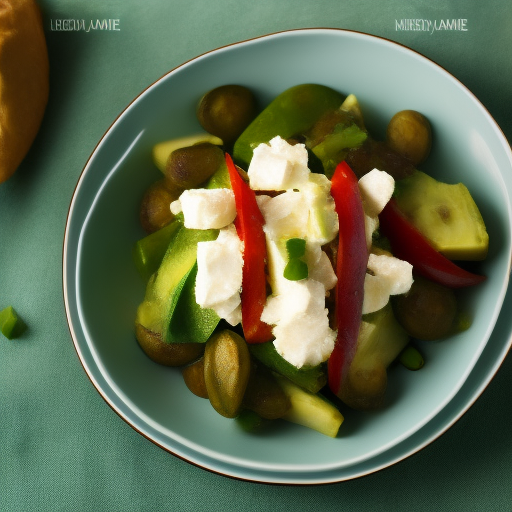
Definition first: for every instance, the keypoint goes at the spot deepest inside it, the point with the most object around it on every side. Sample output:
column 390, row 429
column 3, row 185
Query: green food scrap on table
column 11, row 325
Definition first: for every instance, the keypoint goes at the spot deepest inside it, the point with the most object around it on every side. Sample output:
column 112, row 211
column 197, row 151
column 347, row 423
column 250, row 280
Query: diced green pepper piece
column 463, row 321
column 250, row 421
column 311, row 378
column 11, row 325
column 411, row 358
column 333, row 149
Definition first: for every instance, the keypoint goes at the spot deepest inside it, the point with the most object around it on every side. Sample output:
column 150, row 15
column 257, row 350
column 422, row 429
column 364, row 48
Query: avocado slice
column 188, row 321
column 165, row 285
column 149, row 251
column 170, row 290
column 445, row 214
column 381, row 339
column 310, row 409
column 290, row 114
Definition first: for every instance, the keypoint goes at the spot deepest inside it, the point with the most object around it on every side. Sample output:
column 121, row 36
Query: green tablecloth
column 61, row 446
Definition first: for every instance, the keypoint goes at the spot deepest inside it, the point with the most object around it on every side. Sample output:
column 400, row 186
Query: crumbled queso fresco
column 302, row 208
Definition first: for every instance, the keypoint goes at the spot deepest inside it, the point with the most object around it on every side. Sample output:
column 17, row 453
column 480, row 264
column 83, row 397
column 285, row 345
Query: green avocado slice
column 445, row 214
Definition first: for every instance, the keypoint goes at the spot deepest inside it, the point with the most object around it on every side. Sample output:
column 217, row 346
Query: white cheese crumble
column 376, row 188
column 305, row 213
column 206, row 208
column 219, row 275
column 320, row 267
column 305, row 209
column 285, row 216
column 323, row 224
column 389, row 276
column 301, row 325
column 278, row 166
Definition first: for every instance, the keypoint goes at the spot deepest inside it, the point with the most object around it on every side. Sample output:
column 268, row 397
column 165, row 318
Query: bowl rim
column 67, row 302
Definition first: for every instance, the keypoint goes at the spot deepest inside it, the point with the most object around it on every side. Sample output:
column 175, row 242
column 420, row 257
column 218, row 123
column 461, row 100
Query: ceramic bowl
column 102, row 288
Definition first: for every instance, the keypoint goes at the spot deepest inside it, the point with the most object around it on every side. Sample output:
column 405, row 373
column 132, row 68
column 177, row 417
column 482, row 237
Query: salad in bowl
column 292, row 258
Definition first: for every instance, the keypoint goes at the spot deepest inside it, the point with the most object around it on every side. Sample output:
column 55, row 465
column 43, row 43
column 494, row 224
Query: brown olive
column 364, row 388
column 226, row 111
column 227, row 366
column 373, row 154
column 191, row 166
column 326, row 125
column 155, row 212
column 264, row 396
column 168, row 354
column 427, row 311
column 409, row 133
column 193, row 375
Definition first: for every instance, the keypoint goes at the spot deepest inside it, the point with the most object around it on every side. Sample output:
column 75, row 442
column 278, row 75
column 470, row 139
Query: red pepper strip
column 249, row 227
column 351, row 265
column 407, row 243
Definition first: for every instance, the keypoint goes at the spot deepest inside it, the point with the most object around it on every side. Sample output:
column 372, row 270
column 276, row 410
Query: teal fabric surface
column 61, row 446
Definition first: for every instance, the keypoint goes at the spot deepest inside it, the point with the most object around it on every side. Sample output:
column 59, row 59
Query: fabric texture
column 61, row 446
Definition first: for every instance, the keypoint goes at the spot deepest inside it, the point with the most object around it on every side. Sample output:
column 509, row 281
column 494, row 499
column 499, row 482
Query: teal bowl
column 102, row 288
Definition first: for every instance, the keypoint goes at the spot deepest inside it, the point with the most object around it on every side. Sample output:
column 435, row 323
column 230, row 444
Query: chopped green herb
column 296, row 247
column 295, row 270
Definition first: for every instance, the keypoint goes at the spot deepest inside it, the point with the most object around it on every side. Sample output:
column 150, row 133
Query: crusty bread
column 24, row 80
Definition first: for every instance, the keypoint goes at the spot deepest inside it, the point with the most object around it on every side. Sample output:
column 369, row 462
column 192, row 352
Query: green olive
column 168, row 354
column 409, row 133
column 226, row 111
column 191, row 166
column 227, row 366
column 427, row 311
column 155, row 212
column 264, row 396
column 193, row 375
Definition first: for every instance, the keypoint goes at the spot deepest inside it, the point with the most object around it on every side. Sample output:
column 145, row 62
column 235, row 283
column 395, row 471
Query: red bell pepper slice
column 351, row 264
column 249, row 226
column 407, row 243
